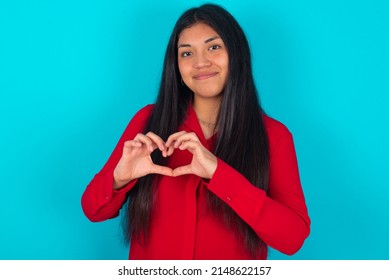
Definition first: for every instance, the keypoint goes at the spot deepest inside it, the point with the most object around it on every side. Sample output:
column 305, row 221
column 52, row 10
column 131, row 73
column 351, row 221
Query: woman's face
column 202, row 61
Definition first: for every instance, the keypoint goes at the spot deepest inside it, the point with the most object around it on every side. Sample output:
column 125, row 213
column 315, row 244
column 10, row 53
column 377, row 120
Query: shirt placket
column 189, row 225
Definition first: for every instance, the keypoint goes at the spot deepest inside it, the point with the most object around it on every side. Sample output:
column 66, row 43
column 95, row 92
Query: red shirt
column 182, row 226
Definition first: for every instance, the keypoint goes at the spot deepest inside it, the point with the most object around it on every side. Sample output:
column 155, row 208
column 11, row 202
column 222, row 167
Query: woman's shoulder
column 143, row 114
column 140, row 118
column 278, row 134
column 275, row 127
column 145, row 111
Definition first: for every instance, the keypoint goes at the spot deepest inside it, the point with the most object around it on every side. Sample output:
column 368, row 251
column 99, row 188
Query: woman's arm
column 100, row 201
column 280, row 218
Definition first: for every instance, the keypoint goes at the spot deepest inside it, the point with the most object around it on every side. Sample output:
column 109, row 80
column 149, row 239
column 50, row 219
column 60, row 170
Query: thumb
column 182, row 170
column 162, row 170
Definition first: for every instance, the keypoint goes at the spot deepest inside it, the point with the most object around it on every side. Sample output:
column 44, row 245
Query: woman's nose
column 201, row 60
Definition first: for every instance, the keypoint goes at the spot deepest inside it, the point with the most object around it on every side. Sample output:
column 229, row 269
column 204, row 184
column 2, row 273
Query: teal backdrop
column 73, row 73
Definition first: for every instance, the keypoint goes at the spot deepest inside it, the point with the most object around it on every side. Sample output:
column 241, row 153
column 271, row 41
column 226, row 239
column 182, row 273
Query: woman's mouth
column 204, row 76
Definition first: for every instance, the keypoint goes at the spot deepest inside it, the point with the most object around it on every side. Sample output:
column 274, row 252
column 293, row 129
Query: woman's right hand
column 136, row 161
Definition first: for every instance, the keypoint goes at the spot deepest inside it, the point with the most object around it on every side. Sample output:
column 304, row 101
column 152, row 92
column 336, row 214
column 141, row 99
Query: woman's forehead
column 198, row 31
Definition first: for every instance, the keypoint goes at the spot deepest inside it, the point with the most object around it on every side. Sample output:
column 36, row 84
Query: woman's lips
column 204, row 76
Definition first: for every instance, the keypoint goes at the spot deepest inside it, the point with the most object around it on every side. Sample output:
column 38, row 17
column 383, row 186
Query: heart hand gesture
column 203, row 163
column 136, row 161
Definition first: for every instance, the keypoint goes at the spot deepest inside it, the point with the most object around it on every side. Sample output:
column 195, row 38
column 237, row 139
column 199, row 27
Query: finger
column 173, row 137
column 188, row 137
column 129, row 144
column 145, row 140
column 163, row 170
column 157, row 140
column 171, row 140
column 190, row 145
column 182, row 170
column 169, row 151
column 132, row 143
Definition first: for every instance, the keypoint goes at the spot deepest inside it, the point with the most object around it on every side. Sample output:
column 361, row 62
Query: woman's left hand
column 203, row 163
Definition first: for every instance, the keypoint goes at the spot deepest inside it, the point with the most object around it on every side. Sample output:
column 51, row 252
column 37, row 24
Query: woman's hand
column 136, row 161
column 203, row 163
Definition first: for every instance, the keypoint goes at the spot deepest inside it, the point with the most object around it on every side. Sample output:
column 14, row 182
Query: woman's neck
column 207, row 111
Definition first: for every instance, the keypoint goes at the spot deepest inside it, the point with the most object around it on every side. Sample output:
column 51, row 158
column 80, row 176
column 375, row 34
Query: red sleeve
column 280, row 218
column 100, row 201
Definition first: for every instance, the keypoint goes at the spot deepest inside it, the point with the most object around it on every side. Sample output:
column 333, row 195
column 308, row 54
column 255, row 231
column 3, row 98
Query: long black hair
column 239, row 124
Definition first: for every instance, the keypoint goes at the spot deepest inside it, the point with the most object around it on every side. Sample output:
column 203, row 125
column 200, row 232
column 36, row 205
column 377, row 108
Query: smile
column 204, row 76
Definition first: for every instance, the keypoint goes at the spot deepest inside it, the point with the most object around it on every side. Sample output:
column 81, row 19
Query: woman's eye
column 214, row 47
column 185, row 54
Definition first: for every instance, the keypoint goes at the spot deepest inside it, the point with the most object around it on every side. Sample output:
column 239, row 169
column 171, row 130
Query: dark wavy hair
column 239, row 124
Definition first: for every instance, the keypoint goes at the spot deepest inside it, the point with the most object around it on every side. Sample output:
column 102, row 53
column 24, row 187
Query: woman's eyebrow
column 211, row 39
column 205, row 42
column 183, row 45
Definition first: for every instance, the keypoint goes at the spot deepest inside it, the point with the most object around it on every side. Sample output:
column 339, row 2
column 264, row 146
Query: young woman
column 205, row 172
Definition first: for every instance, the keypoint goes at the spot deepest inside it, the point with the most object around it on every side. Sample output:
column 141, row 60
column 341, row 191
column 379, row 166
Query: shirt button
column 228, row 198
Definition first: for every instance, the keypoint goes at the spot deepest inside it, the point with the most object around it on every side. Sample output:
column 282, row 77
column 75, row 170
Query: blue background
column 73, row 73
